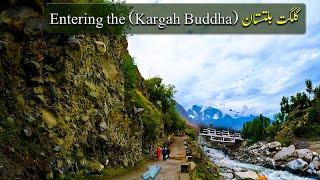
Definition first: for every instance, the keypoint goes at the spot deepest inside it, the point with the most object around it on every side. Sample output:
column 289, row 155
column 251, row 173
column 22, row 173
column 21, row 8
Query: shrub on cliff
column 130, row 73
column 159, row 93
column 162, row 96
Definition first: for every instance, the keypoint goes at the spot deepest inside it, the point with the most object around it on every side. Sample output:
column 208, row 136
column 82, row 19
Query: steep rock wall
column 62, row 106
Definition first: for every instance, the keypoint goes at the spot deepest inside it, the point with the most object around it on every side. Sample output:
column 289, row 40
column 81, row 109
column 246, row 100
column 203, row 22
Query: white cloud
column 233, row 71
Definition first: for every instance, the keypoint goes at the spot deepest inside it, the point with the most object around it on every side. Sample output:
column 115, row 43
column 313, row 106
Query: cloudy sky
column 247, row 73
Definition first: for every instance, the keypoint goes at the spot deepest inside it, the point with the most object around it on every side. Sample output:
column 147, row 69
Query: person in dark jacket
column 164, row 153
column 168, row 153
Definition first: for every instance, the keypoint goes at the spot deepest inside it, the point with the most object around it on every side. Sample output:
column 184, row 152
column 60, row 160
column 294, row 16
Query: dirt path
column 170, row 169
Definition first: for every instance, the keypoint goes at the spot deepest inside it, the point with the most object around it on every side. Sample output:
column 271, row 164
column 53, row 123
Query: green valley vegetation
column 299, row 118
column 256, row 129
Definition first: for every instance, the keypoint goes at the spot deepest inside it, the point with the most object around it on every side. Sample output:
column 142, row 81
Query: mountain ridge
column 207, row 115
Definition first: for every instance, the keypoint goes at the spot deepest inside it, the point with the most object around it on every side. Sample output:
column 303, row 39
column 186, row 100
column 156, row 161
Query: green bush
column 161, row 95
column 192, row 133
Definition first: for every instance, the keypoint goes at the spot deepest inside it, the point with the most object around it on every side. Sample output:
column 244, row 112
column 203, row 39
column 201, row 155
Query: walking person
column 158, row 153
column 168, row 152
column 164, row 154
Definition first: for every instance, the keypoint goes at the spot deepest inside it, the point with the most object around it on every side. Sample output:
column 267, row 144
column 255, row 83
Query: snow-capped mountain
column 209, row 115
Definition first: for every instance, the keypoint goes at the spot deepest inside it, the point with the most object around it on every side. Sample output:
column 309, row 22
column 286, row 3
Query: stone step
column 184, row 176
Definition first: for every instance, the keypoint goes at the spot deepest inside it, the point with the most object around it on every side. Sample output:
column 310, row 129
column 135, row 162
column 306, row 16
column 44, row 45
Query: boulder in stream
column 285, row 153
column 305, row 154
column 227, row 175
column 297, row 165
column 314, row 165
column 246, row 175
column 269, row 162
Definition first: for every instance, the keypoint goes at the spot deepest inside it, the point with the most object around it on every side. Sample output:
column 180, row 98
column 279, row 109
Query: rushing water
column 219, row 158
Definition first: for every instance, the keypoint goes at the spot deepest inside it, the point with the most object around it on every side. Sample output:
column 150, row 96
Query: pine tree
column 309, row 87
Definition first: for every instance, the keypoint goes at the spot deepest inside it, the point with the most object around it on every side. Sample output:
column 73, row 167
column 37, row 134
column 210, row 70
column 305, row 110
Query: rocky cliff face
column 62, row 106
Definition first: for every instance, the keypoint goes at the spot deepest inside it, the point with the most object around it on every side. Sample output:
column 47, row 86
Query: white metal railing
column 221, row 136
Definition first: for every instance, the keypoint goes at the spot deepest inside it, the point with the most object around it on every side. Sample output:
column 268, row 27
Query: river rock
column 269, row 162
column 246, row 175
column 284, row 153
column 311, row 171
column 237, row 169
column 297, row 165
column 273, row 145
column 256, row 145
column 314, row 165
column 227, row 175
column 305, row 154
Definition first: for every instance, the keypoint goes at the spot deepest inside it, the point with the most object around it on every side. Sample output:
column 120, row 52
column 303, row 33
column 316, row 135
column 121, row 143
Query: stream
column 219, row 158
